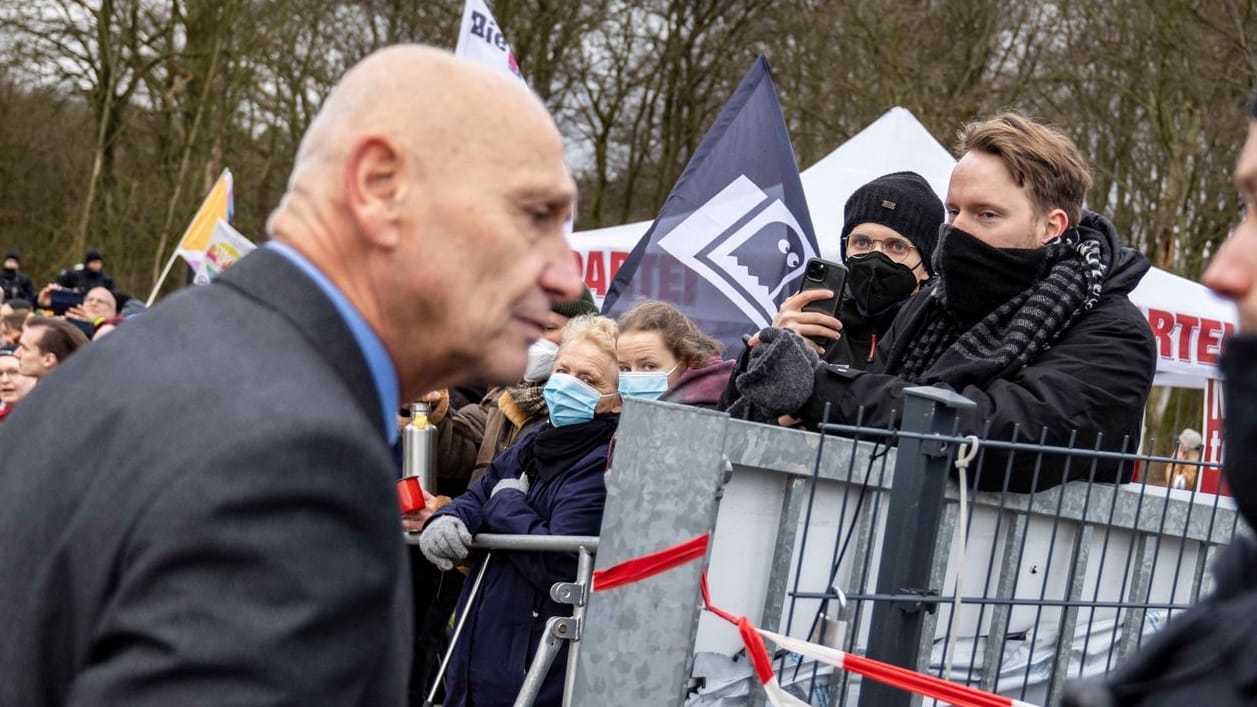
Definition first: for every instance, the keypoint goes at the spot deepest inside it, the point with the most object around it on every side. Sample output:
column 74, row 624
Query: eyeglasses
column 897, row 249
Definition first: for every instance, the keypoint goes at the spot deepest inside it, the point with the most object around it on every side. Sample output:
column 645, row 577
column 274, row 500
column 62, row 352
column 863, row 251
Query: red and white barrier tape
column 658, row 562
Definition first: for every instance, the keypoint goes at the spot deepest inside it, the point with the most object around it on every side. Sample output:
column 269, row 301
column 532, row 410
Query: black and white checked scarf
column 1014, row 333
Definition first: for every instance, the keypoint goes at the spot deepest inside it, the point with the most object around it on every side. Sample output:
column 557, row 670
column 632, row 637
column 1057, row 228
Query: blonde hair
column 680, row 334
column 596, row 329
column 1042, row 160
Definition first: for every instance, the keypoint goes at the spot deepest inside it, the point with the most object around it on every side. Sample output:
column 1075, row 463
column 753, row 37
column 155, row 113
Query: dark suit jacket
column 199, row 509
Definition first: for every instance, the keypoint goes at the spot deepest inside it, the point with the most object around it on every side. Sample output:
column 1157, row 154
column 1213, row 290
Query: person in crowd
column 236, row 537
column 468, row 440
column 1183, row 471
column 13, row 385
column 99, row 305
column 16, row 305
column 15, row 284
column 11, row 326
column 45, row 344
column 1204, row 656
column 1030, row 319
column 663, row 355
column 550, row 483
column 86, row 275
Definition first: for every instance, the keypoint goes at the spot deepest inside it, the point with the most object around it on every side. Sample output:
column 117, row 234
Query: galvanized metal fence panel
column 1055, row 584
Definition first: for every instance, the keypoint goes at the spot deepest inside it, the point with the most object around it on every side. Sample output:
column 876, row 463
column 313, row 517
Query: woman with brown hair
column 665, row 356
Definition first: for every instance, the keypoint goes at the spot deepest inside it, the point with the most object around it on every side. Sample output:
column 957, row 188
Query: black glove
column 779, row 377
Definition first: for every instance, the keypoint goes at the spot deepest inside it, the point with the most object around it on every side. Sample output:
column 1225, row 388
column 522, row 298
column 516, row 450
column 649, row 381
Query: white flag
column 481, row 40
column 226, row 246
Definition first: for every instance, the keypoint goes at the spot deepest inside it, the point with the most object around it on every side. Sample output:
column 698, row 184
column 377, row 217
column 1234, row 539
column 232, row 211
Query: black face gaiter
column 978, row 277
column 878, row 283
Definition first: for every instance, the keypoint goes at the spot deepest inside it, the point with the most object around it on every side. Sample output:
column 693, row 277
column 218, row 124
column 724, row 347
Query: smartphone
column 824, row 275
column 62, row 300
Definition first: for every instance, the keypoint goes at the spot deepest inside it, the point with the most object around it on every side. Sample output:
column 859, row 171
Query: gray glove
column 520, row 484
column 445, row 541
column 779, row 376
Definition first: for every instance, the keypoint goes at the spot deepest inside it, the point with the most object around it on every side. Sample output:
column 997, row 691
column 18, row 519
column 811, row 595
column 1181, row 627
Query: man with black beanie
column 86, row 275
column 1205, row 656
column 890, row 226
column 14, row 284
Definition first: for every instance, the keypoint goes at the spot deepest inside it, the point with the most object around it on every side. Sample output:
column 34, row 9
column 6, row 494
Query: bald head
column 423, row 99
column 423, row 176
column 99, row 303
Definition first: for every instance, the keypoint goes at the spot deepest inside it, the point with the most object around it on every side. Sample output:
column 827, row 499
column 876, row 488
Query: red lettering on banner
column 617, row 259
column 596, row 273
column 1162, row 324
column 1189, row 339
column 1208, row 345
column 1187, row 324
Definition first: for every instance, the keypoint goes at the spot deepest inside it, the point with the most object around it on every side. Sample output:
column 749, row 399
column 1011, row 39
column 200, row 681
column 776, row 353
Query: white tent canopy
column 1187, row 319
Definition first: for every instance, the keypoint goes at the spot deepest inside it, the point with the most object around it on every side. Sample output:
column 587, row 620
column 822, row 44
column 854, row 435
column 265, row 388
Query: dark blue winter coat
column 509, row 616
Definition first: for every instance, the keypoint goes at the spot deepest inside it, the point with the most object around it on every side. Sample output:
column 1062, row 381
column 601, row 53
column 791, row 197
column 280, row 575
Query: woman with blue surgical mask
column 549, row 483
column 663, row 355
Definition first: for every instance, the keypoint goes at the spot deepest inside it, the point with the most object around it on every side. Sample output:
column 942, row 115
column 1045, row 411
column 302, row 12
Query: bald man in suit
column 216, row 523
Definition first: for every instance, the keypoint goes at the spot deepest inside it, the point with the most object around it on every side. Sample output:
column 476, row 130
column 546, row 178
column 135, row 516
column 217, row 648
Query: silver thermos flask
column 419, row 447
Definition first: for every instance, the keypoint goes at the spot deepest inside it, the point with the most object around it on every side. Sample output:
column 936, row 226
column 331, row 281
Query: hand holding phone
column 62, row 300
column 823, row 275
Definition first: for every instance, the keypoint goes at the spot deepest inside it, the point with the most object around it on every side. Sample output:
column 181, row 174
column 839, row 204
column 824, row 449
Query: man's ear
column 375, row 187
column 49, row 360
column 1055, row 222
column 619, row 405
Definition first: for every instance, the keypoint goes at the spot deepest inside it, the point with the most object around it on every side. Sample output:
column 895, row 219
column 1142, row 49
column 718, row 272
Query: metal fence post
column 662, row 488
column 914, row 512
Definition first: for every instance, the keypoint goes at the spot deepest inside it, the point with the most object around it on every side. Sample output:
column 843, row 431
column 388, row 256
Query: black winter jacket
column 14, row 284
column 1093, row 381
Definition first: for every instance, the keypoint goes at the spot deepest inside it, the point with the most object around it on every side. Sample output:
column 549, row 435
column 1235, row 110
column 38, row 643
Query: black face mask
column 878, row 283
column 9, row 269
column 978, row 277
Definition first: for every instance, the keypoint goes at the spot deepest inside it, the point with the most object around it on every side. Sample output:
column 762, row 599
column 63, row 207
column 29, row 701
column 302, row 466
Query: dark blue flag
column 731, row 241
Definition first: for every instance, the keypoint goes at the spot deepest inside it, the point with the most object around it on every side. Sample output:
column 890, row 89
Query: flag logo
column 755, row 236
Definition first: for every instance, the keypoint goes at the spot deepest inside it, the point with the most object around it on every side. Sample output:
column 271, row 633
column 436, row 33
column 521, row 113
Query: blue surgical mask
column 649, row 385
column 570, row 400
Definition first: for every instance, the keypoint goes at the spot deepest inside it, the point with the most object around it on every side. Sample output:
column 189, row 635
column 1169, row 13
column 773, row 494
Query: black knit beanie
column 574, row 308
column 902, row 201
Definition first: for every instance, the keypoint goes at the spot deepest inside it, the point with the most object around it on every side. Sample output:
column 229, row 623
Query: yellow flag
column 218, row 205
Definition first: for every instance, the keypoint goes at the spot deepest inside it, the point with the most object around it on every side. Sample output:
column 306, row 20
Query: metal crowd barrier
column 558, row 628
